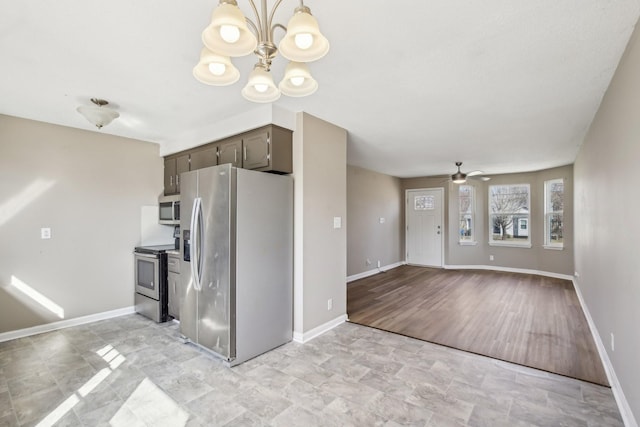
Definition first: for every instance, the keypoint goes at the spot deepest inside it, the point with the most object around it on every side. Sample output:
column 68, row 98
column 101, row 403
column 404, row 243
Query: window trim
column 546, row 214
column 472, row 213
column 511, row 243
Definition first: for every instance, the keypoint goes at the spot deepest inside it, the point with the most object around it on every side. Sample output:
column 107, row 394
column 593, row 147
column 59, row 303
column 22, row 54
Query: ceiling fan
column 460, row 177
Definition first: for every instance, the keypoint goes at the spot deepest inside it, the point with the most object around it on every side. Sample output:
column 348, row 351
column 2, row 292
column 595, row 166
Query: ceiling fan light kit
column 231, row 34
column 460, row 178
column 98, row 114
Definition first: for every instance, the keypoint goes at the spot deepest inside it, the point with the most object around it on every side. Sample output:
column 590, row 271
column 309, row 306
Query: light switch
column 337, row 222
column 382, row 220
column 45, row 233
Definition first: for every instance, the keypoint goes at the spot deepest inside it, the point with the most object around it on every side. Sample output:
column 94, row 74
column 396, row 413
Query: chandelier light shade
column 214, row 69
column 231, row 34
column 303, row 41
column 260, row 87
column 228, row 33
column 297, row 80
column 97, row 114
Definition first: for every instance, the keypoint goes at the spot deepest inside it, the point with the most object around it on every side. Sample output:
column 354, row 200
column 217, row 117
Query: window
column 424, row 203
column 466, row 200
column 509, row 215
column 553, row 209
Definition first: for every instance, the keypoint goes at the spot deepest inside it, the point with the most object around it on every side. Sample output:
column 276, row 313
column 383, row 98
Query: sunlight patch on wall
column 35, row 296
column 21, row 200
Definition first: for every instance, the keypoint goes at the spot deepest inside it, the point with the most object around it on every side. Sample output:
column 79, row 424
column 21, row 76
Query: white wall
column 89, row 188
column 607, row 233
column 320, row 250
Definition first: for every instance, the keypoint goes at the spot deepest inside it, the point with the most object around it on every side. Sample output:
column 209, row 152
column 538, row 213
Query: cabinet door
column 230, row 151
column 182, row 165
column 204, row 158
column 170, row 177
column 256, row 148
column 173, row 280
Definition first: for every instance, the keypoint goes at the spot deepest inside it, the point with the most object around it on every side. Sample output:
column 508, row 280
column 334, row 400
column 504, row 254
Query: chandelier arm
column 254, row 27
column 257, row 27
column 264, row 22
column 282, row 27
column 273, row 11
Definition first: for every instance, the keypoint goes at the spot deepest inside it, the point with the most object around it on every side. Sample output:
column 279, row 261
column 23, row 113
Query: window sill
column 554, row 248
column 511, row 245
column 467, row 243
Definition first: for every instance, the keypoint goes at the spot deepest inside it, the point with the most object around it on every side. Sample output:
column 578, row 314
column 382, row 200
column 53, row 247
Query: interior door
column 424, row 231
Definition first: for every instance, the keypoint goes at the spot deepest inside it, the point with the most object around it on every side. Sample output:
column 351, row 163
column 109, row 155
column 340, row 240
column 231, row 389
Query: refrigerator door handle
column 196, row 263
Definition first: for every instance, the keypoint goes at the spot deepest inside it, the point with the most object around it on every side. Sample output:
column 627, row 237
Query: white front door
column 424, row 229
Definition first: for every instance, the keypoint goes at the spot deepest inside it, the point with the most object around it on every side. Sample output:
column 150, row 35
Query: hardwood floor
column 526, row 319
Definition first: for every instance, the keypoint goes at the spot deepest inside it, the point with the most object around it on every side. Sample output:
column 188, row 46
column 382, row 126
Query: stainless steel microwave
column 169, row 210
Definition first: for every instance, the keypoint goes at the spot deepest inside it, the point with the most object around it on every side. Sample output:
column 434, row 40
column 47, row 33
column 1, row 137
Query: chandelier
column 231, row 34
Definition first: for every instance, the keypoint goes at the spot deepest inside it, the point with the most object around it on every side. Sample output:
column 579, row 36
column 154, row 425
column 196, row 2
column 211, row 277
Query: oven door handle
column 196, row 249
column 138, row 254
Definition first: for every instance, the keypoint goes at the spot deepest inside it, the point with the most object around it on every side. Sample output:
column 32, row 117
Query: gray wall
column 320, row 177
column 371, row 196
column 88, row 188
column 607, row 175
column 534, row 258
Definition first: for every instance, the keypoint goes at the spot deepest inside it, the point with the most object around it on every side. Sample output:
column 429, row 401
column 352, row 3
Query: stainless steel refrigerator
column 237, row 263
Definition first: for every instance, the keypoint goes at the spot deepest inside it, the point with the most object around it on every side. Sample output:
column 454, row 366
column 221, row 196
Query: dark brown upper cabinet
column 266, row 149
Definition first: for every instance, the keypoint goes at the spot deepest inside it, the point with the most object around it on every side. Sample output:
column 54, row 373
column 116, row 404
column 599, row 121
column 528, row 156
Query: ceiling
column 502, row 85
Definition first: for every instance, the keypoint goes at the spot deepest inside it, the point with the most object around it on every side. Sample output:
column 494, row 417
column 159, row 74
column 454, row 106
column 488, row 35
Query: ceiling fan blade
column 474, row 173
column 479, row 178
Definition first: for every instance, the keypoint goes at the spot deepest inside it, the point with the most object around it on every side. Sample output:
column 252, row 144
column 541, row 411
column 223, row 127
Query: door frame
column 440, row 191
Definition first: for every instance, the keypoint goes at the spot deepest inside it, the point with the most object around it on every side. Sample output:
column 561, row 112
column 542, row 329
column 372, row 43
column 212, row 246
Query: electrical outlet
column 378, row 263
column 490, row 257
column 367, row 262
column 45, row 233
column 613, row 343
column 329, row 304
column 337, row 222
column 382, row 220
column 575, row 273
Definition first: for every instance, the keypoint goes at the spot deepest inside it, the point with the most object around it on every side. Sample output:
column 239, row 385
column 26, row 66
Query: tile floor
column 130, row 371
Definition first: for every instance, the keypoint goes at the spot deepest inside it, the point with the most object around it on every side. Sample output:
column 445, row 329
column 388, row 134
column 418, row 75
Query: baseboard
column 317, row 331
column 623, row 405
column 509, row 269
column 374, row 271
column 48, row 327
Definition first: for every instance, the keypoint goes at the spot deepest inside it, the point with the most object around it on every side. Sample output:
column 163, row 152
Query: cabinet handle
column 171, row 180
column 235, row 155
column 245, row 153
column 177, row 179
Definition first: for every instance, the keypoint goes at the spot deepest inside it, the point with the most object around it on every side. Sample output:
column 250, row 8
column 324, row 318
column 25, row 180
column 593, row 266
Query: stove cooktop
column 159, row 249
